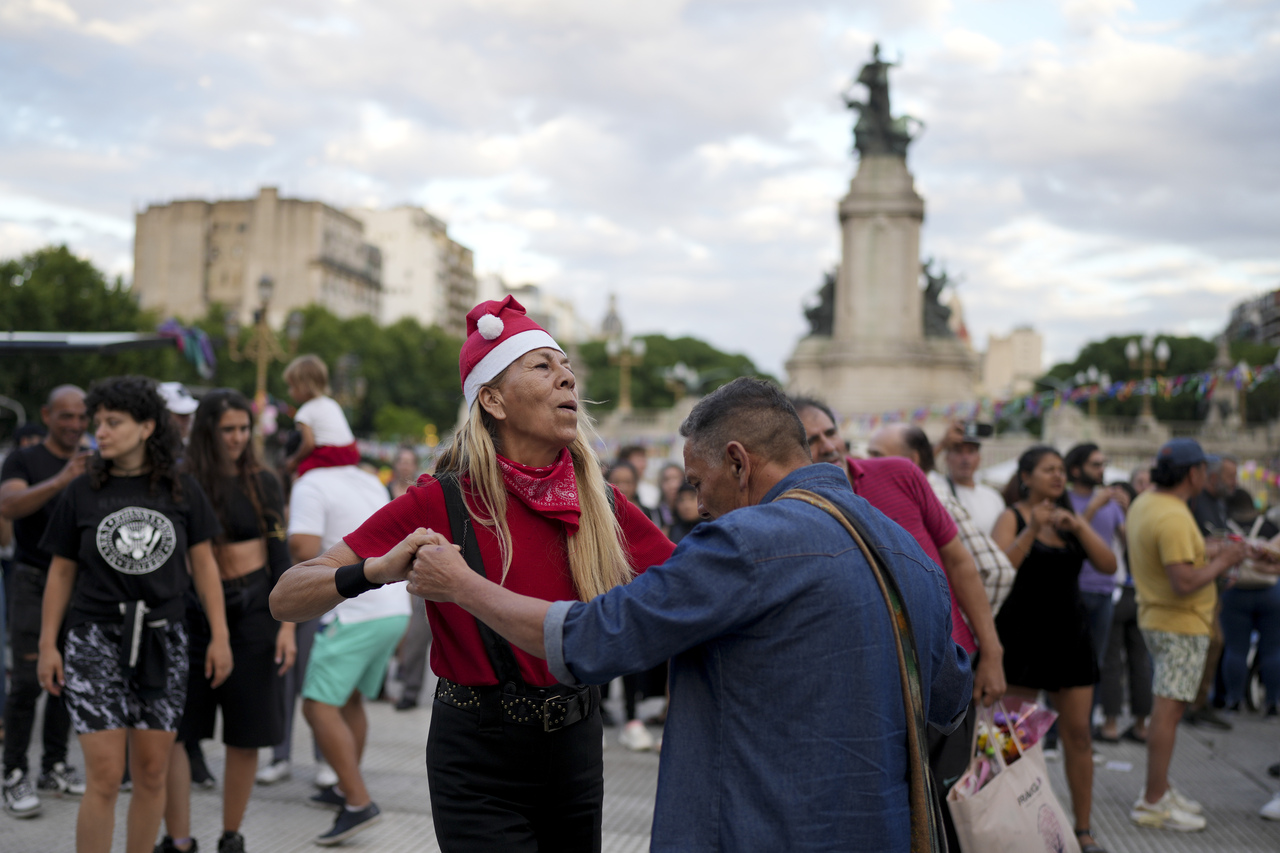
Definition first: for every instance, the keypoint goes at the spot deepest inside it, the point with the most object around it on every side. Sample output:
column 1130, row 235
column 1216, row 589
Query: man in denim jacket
column 786, row 729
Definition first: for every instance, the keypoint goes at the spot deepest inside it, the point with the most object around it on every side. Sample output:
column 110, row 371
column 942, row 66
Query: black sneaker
column 349, row 823
column 231, row 842
column 61, row 780
column 328, row 798
column 406, row 703
column 166, row 846
column 1206, row 717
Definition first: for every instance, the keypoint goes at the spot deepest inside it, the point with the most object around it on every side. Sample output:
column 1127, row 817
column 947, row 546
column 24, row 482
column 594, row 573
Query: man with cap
column 1174, row 573
column 963, row 458
column 181, row 405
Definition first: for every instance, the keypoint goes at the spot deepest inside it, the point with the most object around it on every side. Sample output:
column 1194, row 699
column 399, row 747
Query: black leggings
column 518, row 789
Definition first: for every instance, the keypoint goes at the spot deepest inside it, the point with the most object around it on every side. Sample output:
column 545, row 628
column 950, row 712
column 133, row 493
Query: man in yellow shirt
column 1173, row 572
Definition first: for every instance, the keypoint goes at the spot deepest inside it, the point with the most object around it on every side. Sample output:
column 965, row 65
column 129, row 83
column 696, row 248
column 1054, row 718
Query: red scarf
column 551, row 491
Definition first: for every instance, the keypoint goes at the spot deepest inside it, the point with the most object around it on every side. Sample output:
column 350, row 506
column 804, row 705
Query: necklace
column 122, row 472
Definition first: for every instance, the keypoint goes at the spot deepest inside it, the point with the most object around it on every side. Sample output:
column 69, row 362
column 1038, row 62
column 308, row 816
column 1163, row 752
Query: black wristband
column 350, row 580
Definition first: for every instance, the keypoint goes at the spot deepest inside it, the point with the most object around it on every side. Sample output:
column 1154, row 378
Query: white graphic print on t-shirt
column 136, row 540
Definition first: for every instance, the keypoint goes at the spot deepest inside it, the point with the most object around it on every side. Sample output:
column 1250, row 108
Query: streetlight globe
column 266, row 286
column 1131, row 350
column 638, row 347
column 1147, row 343
column 1092, row 373
column 1162, row 352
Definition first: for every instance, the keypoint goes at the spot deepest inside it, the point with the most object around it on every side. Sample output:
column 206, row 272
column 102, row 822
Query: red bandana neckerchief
column 551, row 491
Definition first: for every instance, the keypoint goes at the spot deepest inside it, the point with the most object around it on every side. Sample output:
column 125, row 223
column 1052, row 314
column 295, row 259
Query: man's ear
column 740, row 463
column 491, row 401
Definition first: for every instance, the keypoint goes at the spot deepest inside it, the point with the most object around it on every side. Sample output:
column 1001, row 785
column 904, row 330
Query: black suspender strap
column 501, row 657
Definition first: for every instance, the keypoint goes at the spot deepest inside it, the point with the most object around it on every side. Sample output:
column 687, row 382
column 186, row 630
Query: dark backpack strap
column 501, row 656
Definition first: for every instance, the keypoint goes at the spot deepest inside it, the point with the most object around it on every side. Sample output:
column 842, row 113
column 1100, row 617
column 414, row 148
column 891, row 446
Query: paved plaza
column 1225, row 771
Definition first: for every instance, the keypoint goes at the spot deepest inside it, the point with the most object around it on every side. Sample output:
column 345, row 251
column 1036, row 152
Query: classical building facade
column 191, row 254
column 1012, row 363
column 425, row 275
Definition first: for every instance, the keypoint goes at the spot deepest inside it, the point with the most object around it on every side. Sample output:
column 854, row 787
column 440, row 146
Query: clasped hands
column 433, row 568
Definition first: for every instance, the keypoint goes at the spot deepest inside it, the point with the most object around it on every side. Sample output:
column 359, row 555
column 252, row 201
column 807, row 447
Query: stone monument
column 878, row 341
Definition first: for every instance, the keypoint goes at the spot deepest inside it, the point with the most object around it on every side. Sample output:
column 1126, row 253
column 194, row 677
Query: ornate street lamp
column 1142, row 356
column 626, row 353
column 262, row 347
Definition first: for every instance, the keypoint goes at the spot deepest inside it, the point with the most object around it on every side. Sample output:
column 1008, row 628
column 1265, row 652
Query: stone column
column 878, row 294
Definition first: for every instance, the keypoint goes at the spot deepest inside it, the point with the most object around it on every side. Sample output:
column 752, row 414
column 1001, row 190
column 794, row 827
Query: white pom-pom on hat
column 489, row 327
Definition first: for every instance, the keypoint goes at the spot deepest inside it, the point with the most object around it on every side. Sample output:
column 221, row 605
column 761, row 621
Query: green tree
column 52, row 290
column 652, row 385
column 1188, row 356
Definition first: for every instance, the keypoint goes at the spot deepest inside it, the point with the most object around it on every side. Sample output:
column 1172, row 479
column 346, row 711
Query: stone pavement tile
column 1225, row 771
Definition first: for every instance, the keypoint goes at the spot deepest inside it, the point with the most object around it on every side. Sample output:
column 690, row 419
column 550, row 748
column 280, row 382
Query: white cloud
column 688, row 154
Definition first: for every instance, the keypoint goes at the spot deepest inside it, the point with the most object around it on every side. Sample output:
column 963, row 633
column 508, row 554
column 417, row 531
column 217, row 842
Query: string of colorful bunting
column 1243, row 376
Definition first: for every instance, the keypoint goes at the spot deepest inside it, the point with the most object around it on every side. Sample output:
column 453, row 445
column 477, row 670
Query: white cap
column 177, row 398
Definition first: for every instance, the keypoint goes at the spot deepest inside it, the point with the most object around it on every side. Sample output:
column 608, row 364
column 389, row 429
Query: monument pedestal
column 877, row 358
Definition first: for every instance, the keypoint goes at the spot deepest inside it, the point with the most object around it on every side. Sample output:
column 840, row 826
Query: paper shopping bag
column 1014, row 812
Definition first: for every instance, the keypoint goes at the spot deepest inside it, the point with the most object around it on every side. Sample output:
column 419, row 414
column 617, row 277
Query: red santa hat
column 497, row 334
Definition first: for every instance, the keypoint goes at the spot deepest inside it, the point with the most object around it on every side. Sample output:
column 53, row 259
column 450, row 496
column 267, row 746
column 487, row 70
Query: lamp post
column 626, row 353
column 1142, row 356
column 262, row 347
column 1093, row 377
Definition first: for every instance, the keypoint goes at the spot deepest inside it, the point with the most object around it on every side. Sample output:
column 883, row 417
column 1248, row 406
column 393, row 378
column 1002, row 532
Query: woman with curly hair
column 513, row 757
column 121, row 537
column 251, row 554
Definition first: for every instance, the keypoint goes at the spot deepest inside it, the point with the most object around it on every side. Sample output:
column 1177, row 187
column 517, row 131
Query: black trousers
column 515, row 789
column 25, row 601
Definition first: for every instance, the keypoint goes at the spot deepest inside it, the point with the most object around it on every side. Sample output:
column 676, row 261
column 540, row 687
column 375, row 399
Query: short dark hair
column 627, row 451
column 1077, row 457
column 916, row 440
column 801, row 403
column 751, row 411
column 1166, row 475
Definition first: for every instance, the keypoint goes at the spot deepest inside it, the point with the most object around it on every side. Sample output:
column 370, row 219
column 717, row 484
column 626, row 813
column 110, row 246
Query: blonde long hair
column 597, row 556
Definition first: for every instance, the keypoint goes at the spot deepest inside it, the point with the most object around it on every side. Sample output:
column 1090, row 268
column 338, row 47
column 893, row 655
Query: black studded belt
column 550, row 708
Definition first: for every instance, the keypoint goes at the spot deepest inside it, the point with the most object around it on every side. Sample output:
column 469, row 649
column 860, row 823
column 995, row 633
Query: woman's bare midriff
column 237, row 559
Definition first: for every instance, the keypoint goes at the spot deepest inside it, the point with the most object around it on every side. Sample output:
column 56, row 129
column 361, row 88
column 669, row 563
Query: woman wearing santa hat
column 513, row 757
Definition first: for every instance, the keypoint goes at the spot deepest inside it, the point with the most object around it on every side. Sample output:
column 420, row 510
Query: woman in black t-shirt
column 121, row 537
column 251, row 554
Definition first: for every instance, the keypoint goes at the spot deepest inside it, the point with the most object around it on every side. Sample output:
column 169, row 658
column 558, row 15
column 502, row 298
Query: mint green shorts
column 351, row 656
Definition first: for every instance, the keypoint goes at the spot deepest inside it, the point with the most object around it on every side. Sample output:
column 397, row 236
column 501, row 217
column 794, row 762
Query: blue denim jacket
column 786, row 729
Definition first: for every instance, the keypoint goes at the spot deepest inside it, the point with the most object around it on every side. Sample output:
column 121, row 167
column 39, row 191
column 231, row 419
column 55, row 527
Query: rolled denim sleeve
column 553, row 640
column 705, row 590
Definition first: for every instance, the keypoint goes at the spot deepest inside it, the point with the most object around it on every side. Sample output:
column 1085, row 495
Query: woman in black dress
column 1043, row 625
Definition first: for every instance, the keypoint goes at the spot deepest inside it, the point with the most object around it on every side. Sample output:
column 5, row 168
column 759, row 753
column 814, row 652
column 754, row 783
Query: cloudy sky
column 1089, row 166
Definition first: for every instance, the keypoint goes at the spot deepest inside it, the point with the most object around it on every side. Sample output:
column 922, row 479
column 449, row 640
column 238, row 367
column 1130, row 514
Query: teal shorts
column 351, row 656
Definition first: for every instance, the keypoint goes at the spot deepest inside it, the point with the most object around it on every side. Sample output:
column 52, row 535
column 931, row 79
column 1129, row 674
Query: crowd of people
column 163, row 575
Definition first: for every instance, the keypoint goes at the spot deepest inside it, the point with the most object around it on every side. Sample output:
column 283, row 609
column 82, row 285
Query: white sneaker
column 325, row 777
column 1184, row 802
column 276, row 771
column 1165, row 814
column 636, row 737
column 1271, row 811
column 1053, row 753
column 20, row 798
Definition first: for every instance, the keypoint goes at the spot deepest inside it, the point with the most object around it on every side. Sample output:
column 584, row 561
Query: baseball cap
column 177, row 398
column 1181, row 451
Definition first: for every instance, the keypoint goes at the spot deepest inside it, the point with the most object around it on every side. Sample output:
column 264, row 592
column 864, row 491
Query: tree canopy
column 1187, row 355
column 656, row 378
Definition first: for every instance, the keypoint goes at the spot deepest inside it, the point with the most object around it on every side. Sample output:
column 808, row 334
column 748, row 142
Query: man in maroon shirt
column 900, row 490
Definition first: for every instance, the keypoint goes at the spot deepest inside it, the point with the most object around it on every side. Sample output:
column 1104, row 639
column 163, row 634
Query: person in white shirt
column 326, row 437
column 963, row 458
column 355, row 641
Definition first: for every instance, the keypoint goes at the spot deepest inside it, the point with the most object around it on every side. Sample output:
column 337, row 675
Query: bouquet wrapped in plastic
column 1001, row 738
